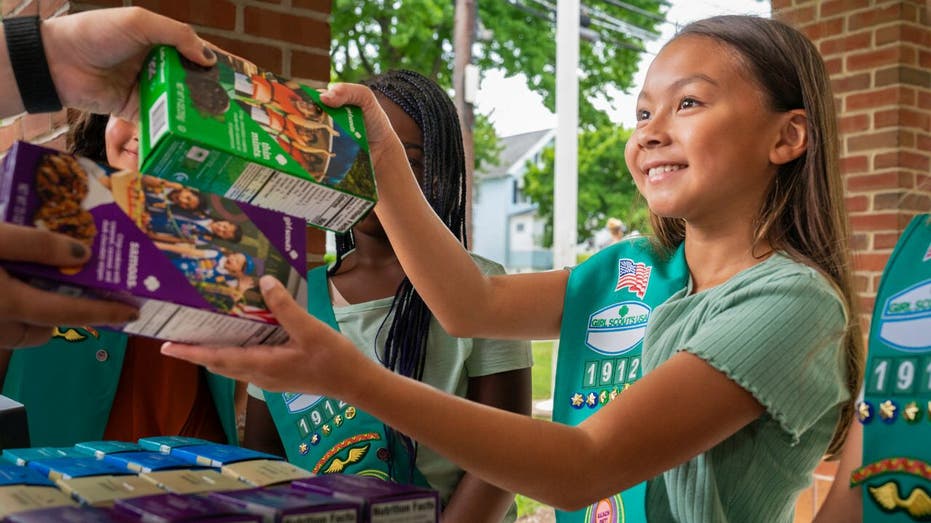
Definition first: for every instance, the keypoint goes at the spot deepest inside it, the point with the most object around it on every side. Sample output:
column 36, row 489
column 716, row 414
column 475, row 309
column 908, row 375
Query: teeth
column 664, row 169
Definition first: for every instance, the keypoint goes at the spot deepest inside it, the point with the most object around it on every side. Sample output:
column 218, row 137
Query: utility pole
column 463, row 79
column 566, row 181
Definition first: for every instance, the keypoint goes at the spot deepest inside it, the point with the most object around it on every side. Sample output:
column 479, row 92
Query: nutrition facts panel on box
column 249, row 183
column 167, row 321
column 320, row 205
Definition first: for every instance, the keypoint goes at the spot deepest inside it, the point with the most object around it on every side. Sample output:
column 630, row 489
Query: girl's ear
column 793, row 138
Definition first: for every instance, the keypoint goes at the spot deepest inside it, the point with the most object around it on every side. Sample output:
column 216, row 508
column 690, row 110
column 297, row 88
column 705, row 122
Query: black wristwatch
column 30, row 67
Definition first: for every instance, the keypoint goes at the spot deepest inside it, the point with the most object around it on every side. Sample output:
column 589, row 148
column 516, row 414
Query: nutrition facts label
column 167, row 321
column 321, row 206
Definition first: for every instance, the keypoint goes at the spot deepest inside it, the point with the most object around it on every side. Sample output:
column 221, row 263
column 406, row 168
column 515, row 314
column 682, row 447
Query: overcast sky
column 516, row 110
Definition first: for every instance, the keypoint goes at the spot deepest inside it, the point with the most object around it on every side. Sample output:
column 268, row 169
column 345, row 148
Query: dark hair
column 443, row 185
column 803, row 209
column 237, row 231
column 86, row 135
column 174, row 195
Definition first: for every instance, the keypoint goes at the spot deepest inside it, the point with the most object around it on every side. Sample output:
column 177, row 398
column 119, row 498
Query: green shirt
column 776, row 329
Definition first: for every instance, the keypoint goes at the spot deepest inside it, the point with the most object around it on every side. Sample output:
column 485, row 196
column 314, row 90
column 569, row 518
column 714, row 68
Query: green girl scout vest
column 609, row 299
column 896, row 406
column 68, row 386
column 327, row 436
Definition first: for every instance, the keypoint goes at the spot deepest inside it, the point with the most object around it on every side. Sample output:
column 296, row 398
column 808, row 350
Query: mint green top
column 776, row 329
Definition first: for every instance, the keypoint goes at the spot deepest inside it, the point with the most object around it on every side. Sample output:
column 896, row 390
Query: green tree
column 373, row 36
column 605, row 185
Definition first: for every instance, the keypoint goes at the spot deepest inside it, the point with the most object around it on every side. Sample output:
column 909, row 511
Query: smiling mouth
column 661, row 169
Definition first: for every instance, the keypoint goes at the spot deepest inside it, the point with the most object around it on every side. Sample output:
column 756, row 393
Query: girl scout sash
column 609, row 299
column 896, row 407
column 327, row 436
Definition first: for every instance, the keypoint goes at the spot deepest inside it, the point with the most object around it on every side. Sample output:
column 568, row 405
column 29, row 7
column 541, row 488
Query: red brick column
column 878, row 53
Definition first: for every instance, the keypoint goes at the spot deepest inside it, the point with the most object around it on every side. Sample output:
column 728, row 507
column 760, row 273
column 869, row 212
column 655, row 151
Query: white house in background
column 505, row 226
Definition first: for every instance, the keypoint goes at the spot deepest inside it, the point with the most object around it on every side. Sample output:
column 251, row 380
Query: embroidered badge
column 610, row 510
column 72, row 334
column 917, row 505
column 354, row 455
column 633, row 276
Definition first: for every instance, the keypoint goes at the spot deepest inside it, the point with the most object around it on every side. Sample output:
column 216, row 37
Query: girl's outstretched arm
column 677, row 411
column 845, row 503
column 467, row 303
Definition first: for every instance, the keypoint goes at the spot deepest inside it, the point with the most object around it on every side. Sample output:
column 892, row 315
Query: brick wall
column 878, row 53
column 288, row 37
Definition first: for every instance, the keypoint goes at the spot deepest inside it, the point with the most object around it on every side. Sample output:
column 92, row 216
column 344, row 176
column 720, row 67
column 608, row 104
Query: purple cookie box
column 281, row 501
column 377, row 496
column 127, row 265
column 177, row 508
column 68, row 514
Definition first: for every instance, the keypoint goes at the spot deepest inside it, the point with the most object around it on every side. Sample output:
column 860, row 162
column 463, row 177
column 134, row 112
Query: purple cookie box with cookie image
column 382, row 501
column 190, row 260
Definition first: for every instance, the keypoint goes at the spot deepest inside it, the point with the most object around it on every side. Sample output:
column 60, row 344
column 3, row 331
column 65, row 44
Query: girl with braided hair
column 366, row 295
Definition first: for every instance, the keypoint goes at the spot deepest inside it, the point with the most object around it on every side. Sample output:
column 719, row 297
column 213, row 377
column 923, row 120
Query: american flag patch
column 632, row 276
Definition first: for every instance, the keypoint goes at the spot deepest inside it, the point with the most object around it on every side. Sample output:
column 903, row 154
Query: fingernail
column 267, row 283
column 166, row 347
column 209, row 54
column 78, row 250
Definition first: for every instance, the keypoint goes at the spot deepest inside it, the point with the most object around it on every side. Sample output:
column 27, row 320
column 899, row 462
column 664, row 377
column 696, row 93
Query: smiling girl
column 749, row 368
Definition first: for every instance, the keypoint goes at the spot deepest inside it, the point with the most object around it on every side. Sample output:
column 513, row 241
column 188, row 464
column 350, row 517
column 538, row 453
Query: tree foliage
column 376, row 35
column 373, row 36
column 605, row 186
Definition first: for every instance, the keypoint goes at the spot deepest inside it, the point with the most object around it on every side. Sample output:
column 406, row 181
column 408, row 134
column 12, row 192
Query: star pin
column 326, row 430
column 350, row 412
column 337, row 420
column 603, row 397
column 864, row 412
column 303, row 448
column 887, row 411
column 577, row 400
column 315, row 439
column 614, row 393
column 911, row 412
column 591, row 400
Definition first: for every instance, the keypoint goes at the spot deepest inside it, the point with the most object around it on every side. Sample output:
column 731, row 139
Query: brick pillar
column 878, row 53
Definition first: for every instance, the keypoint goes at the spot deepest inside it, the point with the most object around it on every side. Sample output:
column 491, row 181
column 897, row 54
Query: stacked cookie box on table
column 178, row 479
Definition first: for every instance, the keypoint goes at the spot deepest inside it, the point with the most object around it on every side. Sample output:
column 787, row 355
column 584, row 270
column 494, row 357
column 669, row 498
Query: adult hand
column 95, row 56
column 316, row 359
column 27, row 314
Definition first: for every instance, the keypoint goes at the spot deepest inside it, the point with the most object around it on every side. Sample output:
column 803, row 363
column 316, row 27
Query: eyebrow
column 682, row 82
